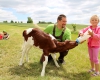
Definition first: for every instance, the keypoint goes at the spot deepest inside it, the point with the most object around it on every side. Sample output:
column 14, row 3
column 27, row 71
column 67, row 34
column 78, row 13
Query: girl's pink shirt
column 93, row 41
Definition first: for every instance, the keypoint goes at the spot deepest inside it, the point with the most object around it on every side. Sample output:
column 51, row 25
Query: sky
column 77, row 11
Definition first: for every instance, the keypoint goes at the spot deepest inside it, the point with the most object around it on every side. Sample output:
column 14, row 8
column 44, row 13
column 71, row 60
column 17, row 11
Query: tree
column 74, row 27
column 29, row 20
column 21, row 21
column 43, row 22
column 12, row 21
column 5, row 22
column 15, row 21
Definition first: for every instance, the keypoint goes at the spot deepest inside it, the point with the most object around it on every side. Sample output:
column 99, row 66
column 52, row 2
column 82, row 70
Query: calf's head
column 66, row 44
column 70, row 44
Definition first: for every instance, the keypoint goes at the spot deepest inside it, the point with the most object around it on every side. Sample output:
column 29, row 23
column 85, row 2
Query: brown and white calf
column 46, row 42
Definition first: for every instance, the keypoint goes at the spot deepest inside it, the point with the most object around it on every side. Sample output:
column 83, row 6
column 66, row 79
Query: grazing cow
column 46, row 42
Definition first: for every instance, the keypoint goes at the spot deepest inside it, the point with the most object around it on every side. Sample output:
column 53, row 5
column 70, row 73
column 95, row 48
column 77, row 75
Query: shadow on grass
column 73, row 76
column 34, row 69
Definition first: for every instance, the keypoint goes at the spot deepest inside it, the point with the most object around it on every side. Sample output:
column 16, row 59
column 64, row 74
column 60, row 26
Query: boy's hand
column 81, row 34
column 82, row 42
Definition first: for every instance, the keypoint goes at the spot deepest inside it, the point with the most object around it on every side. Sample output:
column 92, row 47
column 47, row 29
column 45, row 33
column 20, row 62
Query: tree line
column 29, row 20
column 43, row 22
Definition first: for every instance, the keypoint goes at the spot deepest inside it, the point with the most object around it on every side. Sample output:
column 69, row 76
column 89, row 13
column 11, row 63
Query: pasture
column 76, row 67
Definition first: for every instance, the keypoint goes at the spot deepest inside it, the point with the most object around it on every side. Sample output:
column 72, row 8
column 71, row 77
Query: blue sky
column 20, row 16
column 77, row 11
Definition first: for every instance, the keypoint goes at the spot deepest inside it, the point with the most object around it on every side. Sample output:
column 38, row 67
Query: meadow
column 77, row 60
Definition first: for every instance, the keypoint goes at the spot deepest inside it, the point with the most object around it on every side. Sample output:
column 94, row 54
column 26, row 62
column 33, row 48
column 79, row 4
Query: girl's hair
column 94, row 16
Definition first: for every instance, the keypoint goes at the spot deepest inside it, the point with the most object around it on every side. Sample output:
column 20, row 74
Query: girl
column 93, row 43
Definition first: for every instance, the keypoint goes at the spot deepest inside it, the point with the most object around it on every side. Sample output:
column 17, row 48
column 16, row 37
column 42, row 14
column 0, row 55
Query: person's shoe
column 61, row 61
column 96, row 74
column 91, row 70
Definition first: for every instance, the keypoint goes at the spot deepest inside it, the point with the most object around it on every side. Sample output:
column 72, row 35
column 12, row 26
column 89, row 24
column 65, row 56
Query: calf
column 46, row 42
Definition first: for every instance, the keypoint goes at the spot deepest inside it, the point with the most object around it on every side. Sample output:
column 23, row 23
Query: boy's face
column 94, row 21
column 62, row 22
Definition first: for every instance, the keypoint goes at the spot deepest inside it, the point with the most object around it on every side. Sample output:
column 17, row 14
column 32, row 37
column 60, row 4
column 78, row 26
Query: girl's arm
column 96, row 35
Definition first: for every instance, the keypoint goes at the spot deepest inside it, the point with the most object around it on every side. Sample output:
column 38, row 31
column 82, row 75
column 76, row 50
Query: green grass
column 76, row 67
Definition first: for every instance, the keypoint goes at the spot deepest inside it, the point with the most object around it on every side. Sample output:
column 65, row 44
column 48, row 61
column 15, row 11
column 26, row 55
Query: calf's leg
column 54, row 58
column 23, row 54
column 44, row 65
column 27, row 58
column 42, row 58
column 25, row 50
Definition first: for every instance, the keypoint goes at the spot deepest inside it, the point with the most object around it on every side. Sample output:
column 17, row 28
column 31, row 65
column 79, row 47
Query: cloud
column 7, row 15
column 77, row 11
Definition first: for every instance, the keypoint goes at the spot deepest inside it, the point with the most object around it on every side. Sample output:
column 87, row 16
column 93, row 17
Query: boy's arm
column 48, row 29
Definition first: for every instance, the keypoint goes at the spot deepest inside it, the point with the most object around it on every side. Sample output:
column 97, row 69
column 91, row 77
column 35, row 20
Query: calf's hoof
column 42, row 74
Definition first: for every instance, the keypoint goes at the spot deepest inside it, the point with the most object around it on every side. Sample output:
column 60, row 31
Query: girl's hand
column 90, row 33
